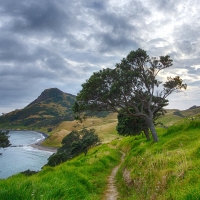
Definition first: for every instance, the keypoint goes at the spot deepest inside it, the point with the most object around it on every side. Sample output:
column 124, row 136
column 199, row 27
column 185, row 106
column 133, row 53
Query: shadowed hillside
column 47, row 111
column 173, row 115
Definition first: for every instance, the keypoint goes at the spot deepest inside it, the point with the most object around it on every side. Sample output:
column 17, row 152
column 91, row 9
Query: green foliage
column 130, row 86
column 130, row 125
column 178, row 113
column 4, row 141
column 29, row 172
column 133, row 125
column 75, row 143
column 49, row 129
column 57, row 158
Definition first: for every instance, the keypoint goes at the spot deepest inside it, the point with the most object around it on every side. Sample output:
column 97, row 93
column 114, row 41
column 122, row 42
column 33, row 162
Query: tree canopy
column 75, row 143
column 132, row 86
column 131, row 125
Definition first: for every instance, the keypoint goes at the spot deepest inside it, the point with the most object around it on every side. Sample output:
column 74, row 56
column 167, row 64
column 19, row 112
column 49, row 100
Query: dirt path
column 111, row 192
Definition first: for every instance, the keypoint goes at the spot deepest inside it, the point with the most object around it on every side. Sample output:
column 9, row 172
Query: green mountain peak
column 50, row 108
column 46, row 94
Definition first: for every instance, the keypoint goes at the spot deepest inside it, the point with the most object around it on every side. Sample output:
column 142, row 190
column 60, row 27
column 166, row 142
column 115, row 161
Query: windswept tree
column 132, row 86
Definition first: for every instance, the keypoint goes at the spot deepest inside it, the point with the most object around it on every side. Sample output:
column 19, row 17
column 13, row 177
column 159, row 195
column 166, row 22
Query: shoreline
column 38, row 145
column 43, row 148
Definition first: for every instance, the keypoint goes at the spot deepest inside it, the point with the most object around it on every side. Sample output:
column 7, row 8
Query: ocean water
column 20, row 156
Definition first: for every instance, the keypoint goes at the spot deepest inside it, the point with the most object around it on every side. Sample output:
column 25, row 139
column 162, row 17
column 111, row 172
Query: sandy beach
column 43, row 148
column 39, row 146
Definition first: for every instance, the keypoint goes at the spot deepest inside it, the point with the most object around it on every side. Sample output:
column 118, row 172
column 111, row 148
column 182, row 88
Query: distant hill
column 51, row 108
column 173, row 115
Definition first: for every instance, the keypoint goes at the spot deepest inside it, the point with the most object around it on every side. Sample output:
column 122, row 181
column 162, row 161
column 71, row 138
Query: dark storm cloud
column 119, row 37
column 119, row 30
column 89, row 69
column 95, row 5
column 36, row 16
column 12, row 49
column 166, row 5
column 50, row 43
column 186, row 38
column 109, row 43
column 14, row 91
column 38, row 41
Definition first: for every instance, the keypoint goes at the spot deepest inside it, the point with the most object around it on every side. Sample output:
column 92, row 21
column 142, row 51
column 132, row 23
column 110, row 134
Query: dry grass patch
column 105, row 128
column 107, row 132
column 68, row 125
column 55, row 139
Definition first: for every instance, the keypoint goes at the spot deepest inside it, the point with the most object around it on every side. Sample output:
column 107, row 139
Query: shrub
column 75, row 143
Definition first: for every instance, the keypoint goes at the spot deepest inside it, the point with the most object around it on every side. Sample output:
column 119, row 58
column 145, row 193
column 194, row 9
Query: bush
column 4, row 141
column 29, row 172
column 75, row 143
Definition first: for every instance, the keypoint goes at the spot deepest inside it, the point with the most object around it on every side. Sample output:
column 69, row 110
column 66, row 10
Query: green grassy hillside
column 84, row 177
column 173, row 115
column 169, row 169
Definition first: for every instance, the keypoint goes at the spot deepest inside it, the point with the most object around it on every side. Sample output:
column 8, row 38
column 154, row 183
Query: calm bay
column 21, row 156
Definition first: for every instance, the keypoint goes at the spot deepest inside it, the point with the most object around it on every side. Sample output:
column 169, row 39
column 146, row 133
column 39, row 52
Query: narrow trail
column 111, row 192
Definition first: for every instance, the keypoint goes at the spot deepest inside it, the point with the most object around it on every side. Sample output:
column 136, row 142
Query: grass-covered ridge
column 84, row 177
column 169, row 169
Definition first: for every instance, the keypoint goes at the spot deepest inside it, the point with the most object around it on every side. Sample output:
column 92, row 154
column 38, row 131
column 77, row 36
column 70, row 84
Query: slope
column 105, row 127
column 84, row 177
column 165, row 170
column 174, row 115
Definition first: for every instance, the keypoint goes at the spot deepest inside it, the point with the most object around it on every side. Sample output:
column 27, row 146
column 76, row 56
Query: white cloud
column 196, row 66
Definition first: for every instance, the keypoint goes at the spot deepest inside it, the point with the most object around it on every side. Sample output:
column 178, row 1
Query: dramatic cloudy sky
column 48, row 43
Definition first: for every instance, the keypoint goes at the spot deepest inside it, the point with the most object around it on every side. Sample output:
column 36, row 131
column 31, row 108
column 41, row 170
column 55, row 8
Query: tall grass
column 169, row 169
column 84, row 177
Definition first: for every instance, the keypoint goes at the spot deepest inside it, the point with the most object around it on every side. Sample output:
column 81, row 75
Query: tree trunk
column 146, row 132
column 153, row 131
